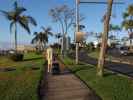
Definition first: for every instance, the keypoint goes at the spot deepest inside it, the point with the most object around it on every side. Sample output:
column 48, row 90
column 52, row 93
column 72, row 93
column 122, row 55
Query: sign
column 80, row 36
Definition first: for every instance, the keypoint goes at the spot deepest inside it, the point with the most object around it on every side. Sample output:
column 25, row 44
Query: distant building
column 26, row 48
column 95, row 43
column 115, row 41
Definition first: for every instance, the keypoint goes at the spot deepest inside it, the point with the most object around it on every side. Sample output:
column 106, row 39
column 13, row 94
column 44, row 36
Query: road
column 117, row 67
column 115, row 53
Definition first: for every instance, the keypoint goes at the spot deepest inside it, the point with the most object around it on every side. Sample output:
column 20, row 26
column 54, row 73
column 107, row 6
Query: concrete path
column 67, row 87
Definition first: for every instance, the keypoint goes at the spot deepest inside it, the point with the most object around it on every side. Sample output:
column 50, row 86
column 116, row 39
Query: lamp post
column 77, row 28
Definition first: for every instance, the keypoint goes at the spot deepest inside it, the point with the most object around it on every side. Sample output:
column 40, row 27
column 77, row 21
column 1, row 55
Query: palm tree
column 127, row 23
column 97, row 35
column 15, row 17
column 58, row 36
column 112, row 37
column 101, row 60
column 115, row 28
column 41, row 38
column 47, row 31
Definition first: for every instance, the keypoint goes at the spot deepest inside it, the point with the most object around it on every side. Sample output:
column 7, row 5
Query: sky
column 39, row 9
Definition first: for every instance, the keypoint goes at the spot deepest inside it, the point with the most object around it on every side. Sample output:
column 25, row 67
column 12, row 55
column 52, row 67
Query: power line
column 91, row 2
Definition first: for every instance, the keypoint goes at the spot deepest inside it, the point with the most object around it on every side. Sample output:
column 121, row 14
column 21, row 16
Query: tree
column 98, row 36
column 101, row 60
column 127, row 23
column 47, row 31
column 15, row 17
column 58, row 36
column 41, row 38
column 115, row 28
column 112, row 37
column 65, row 17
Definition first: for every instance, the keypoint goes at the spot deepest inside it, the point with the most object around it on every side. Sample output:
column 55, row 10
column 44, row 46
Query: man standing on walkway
column 49, row 58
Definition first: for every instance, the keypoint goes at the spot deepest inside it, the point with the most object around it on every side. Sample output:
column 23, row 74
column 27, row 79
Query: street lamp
column 77, row 27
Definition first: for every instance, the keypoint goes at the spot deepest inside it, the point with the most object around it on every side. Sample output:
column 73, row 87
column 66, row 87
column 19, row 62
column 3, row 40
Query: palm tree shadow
column 33, row 59
column 109, row 74
column 82, row 68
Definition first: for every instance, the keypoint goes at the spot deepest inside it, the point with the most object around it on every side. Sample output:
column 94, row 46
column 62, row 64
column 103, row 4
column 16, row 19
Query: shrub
column 90, row 46
column 16, row 56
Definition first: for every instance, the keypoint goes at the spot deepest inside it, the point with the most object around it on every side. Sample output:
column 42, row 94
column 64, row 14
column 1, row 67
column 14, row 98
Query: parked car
column 124, row 50
column 11, row 51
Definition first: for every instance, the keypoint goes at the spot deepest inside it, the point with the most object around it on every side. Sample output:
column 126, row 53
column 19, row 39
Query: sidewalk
column 67, row 87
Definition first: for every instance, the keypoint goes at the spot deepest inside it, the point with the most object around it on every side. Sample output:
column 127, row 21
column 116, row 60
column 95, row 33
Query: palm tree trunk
column 16, row 36
column 101, row 61
column 131, row 44
column 131, row 37
column 58, row 46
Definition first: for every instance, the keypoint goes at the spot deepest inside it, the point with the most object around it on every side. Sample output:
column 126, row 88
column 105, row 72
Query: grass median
column 22, row 82
column 110, row 87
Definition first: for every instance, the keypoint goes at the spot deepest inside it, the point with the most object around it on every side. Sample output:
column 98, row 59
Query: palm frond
column 125, row 15
column 115, row 27
column 58, row 35
column 47, row 31
column 20, row 10
column 23, row 21
column 8, row 15
column 17, row 9
column 15, row 5
column 43, row 28
column 127, row 24
column 35, row 33
column 34, row 40
column 130, row 9
column 32, row 20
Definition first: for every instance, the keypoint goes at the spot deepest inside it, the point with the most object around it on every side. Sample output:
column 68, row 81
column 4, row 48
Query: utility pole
column 77, row 28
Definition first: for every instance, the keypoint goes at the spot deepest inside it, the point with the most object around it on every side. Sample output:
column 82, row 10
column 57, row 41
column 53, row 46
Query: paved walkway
column 67, row 87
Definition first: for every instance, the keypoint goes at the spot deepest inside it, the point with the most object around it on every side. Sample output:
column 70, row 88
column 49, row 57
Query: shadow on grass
column 109, row 74
column 33, row 59
column 7, row 69
column 106, row 74
column 81, row 68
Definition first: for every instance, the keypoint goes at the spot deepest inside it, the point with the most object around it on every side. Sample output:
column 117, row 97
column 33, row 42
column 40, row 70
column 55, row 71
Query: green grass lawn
column 94, row 54
column 109, row 87
column 21, row 83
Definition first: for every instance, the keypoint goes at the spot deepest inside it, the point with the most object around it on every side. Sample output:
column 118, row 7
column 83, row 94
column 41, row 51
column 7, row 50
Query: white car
column 11, row 51
column 124, row 50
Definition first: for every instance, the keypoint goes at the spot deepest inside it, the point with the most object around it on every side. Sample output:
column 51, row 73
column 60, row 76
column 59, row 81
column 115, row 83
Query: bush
column 90, row 46
column 16, row 56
